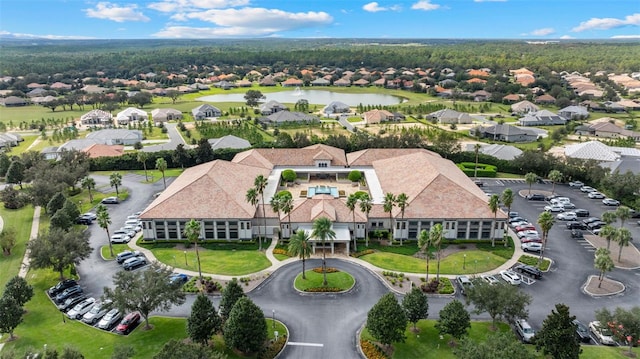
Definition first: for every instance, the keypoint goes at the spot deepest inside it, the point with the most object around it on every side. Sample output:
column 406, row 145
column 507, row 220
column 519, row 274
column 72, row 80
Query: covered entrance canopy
column 343, row 236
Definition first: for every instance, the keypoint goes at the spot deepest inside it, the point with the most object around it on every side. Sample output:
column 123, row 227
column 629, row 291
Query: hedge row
column 484, row 170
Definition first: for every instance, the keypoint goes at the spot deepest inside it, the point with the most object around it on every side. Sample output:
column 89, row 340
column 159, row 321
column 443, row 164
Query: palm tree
column 389, row 203
column 299, row 246
column 252, row 198
column 435, row 237
column 102, row 216
column 161, row 165
column 507, row 200
column 287, row 206
column 143, row 157
column 261, row 183
column 476, row 147
column 530, row 178
column 322, row 230
column 352, row 201
column 609, row 233
column 402, row 201
column 555, row 176
column 623, row 213
column 623, row 237
column 115, row 180
column 545, row 220
column 192, row 232
column 365, row 206
column 424, row 242
column 276, row 206
column 88, row 183
column 603, row 263
column 494, row 204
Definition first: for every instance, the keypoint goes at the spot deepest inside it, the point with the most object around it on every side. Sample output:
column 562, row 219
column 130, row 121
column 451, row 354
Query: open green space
column 224, row 262
column 20, row 221
column 341, row 280
column 476, row 261
column 22, row 146
column 155, row 175
column 117, row 248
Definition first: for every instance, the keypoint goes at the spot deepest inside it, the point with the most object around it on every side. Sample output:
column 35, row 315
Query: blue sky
column 462, row 19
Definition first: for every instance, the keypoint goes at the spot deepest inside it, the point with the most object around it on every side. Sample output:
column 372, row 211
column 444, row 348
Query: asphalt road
column 174, row 140
column 325, row 325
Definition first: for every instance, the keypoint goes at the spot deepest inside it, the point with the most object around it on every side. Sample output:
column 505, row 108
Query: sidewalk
column 24, row 267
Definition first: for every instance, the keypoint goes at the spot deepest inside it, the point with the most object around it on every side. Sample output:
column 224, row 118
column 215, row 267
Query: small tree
column 204, row 320
column 530, row 178
column 355, row 176
column 253, row 97
column 387, row 206
column 545, row 220
column 15, row 173
column 387, row 321
column 416, row 306
column 494, row 204
column 115, row 180
column 603, row 263
column 424, row 243
column 7, row 240
column 402, row 201
column 454, row 320
column 497, row 345
column 144, row 291
column 555, row 176
column 59, row 250
column 500, row 301
column 89, row 184
column 435, row 237
column 322, row 231
column 624, row 324
column 55, row 203
column 230, row 295
column 10, row 315
column 192, row 232
column 179, row 349
column 161, row 165
column 558, row 335
column 623, row 238
column 246, row 328
column 18, row 289
column 124, row 352
column 299, row 246
column 289, row 175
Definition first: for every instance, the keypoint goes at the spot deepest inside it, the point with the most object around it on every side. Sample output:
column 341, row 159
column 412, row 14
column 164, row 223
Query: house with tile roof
column 377, row 116
column 503, row 152
column 448, row 116
column 131, row 115
column 524, row 107
column 606, row 129
column 205, row 111
column 97, row 118
column 574, row 112
column 505, row 132
column 598, row 151
column 229, row 141
column 320, row 82
column 541, row 118
column 271, row 107
column 99, row 150
column 213, row 193
column 292, row 82
column 162, row 115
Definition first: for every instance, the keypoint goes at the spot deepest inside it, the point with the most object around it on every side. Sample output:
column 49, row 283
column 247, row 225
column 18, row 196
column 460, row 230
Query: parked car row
column 128, row 231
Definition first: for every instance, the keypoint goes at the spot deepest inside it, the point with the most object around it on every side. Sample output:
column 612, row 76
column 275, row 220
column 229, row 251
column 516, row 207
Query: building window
column 233, row 230
column 221, row 229
column 462, row 229
column 172, row 229
column 160, row 233
column 486, row 230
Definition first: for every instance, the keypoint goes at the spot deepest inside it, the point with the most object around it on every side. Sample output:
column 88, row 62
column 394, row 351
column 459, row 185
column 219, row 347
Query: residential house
column 606, row 129
column 541, row 118
column 8, row 140
column 131, row 115
column 611, row 106
column 545, row 99
column 524, row 107
column 506, row 133
column 286, row 117
column 229, row 141
column 500, row 151
column 480, row 96
column 116, row 137
column 320, row 82
column 574, row 113
column 377, row 116
column 50, row 153
column 336, row 107
column 292, row 82
column 205, row 111
column 97, row 118
column 361, row 82
column 267, row 81
column 162, row 115
column 511, row 98
column 13, row 101
column 343, row 82
column 99, row 150
column 272, row 106
column 598, row 151
column 448, row 116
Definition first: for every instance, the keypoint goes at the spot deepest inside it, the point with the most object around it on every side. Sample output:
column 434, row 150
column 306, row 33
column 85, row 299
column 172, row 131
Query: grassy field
column 20, row 221
column 117, row 248
column 155, row 175
column 476, row 261
column 342, row 280
column 22, row 146
column 232, row 262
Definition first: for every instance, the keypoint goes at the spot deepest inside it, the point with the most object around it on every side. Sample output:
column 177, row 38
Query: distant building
column 287, row 116
column 270, row 107
column 506, row 133
column 574, row 113
column 336, row 107
column 541, row 118
column 205, row 111
column 448, row 116
column 229, row 141
column 97, row 118
column 162, row 115
column 131, row 115
column 116, row 137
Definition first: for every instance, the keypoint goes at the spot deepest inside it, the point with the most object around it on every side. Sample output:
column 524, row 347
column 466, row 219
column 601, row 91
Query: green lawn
column 22, row 146
column 155, row 175
column 117, row 248
column 342, row 280
column 20, row 220
column 476, row 261
column 224, row 262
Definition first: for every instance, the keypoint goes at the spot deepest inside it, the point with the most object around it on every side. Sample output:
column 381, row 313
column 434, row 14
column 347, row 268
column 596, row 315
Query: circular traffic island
column 337, row 281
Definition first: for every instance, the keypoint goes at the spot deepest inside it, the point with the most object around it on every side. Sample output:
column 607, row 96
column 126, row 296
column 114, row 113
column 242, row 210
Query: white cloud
column 192, row 5
column 606, row 23
column 425, row 5
column 373, row 7
column 243, row 22
column 566, row 37
column 117, row 13
column 626, row 36
column 14, row 35
column 543, row 32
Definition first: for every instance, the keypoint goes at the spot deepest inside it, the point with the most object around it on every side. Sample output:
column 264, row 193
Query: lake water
column 313, row 96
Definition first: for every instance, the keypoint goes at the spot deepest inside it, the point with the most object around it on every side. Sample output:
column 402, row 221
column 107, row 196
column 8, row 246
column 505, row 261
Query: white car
column 560, row 200
column 587, row 189
column 603, row 334
column 110, row 319
column 120, row 238
column 130, row 228
column 610, row 202
column 576, row 184
column 528, row 234
column 567, row 216
column 595, row 195
column 531, row 247
column 490, row 279
column 81, row 308
column 554, row 208
column 510, row 277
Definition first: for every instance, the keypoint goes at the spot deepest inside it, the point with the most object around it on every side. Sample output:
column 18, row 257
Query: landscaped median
column 337, row 281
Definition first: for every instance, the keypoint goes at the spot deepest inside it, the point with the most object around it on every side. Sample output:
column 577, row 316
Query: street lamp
column 464, row 261
column 185, row 259
column 476, row 269
column 273, row 318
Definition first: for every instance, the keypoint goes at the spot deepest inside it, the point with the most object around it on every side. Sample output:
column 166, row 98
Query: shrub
column 280, row 251
column 362, row 253
column 273, row 349
column 327, row 270
column 431, row 287
column 289, row 175
column 355, row 176
column 484, row 170
column 371, row 350
column 323, row 289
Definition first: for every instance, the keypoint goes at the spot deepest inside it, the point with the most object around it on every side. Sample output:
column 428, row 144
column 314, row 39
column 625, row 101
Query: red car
column 527, row 240
column 128, row 323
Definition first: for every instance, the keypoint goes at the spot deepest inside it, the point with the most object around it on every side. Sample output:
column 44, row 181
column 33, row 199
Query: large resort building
column 214, row 193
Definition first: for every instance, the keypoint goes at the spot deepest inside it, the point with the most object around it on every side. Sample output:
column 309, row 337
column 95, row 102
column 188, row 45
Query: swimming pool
column 312, row 191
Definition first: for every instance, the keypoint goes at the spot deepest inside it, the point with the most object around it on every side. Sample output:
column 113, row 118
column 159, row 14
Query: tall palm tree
column 322, row 230
column 609, row 233
column 115, row 180
column 276, row 206
column 545, row 220
column 88, row 183
column 402, row 201
column 555, row 176
column 299, row 247
column 365, row 206
column 252, row 198
column 494, row 204
column 161, row 165
column 603, row 263
column 623, row 213
column 102, row 216
column 352, row 201
column 476, row 147
column 143, row 157
column 623, row 237
column 260, row 183
column 387, row 206
column 192, row 232
column 507, row 200
column 435, row 237
column 287, row 206
column 530, row 178
column 424, row 242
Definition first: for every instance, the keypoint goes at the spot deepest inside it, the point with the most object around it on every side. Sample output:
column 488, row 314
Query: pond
column 314, row 97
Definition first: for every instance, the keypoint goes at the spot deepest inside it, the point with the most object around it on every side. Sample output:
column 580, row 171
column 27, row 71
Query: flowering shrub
column 327, row 270
column 281, row 251
column 372, row 351
column 323, row 289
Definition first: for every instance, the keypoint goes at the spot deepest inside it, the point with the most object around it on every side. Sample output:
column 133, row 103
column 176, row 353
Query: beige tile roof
column 307, row 210
column 435, row 186
column 214, row 189
column 99, row 150
column 368, row 156
column 270, row 157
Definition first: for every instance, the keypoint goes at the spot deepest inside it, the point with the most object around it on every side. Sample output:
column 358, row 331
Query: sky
column 425, row 19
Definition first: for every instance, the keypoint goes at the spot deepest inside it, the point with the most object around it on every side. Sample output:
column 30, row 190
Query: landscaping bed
column 337, row 280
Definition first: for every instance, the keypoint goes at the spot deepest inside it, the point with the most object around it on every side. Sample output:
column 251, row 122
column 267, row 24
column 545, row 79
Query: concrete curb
column 591, row 277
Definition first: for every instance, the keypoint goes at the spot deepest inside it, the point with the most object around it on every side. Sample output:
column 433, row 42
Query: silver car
column 97, row 312
column 110, row 319
column 81, row 308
